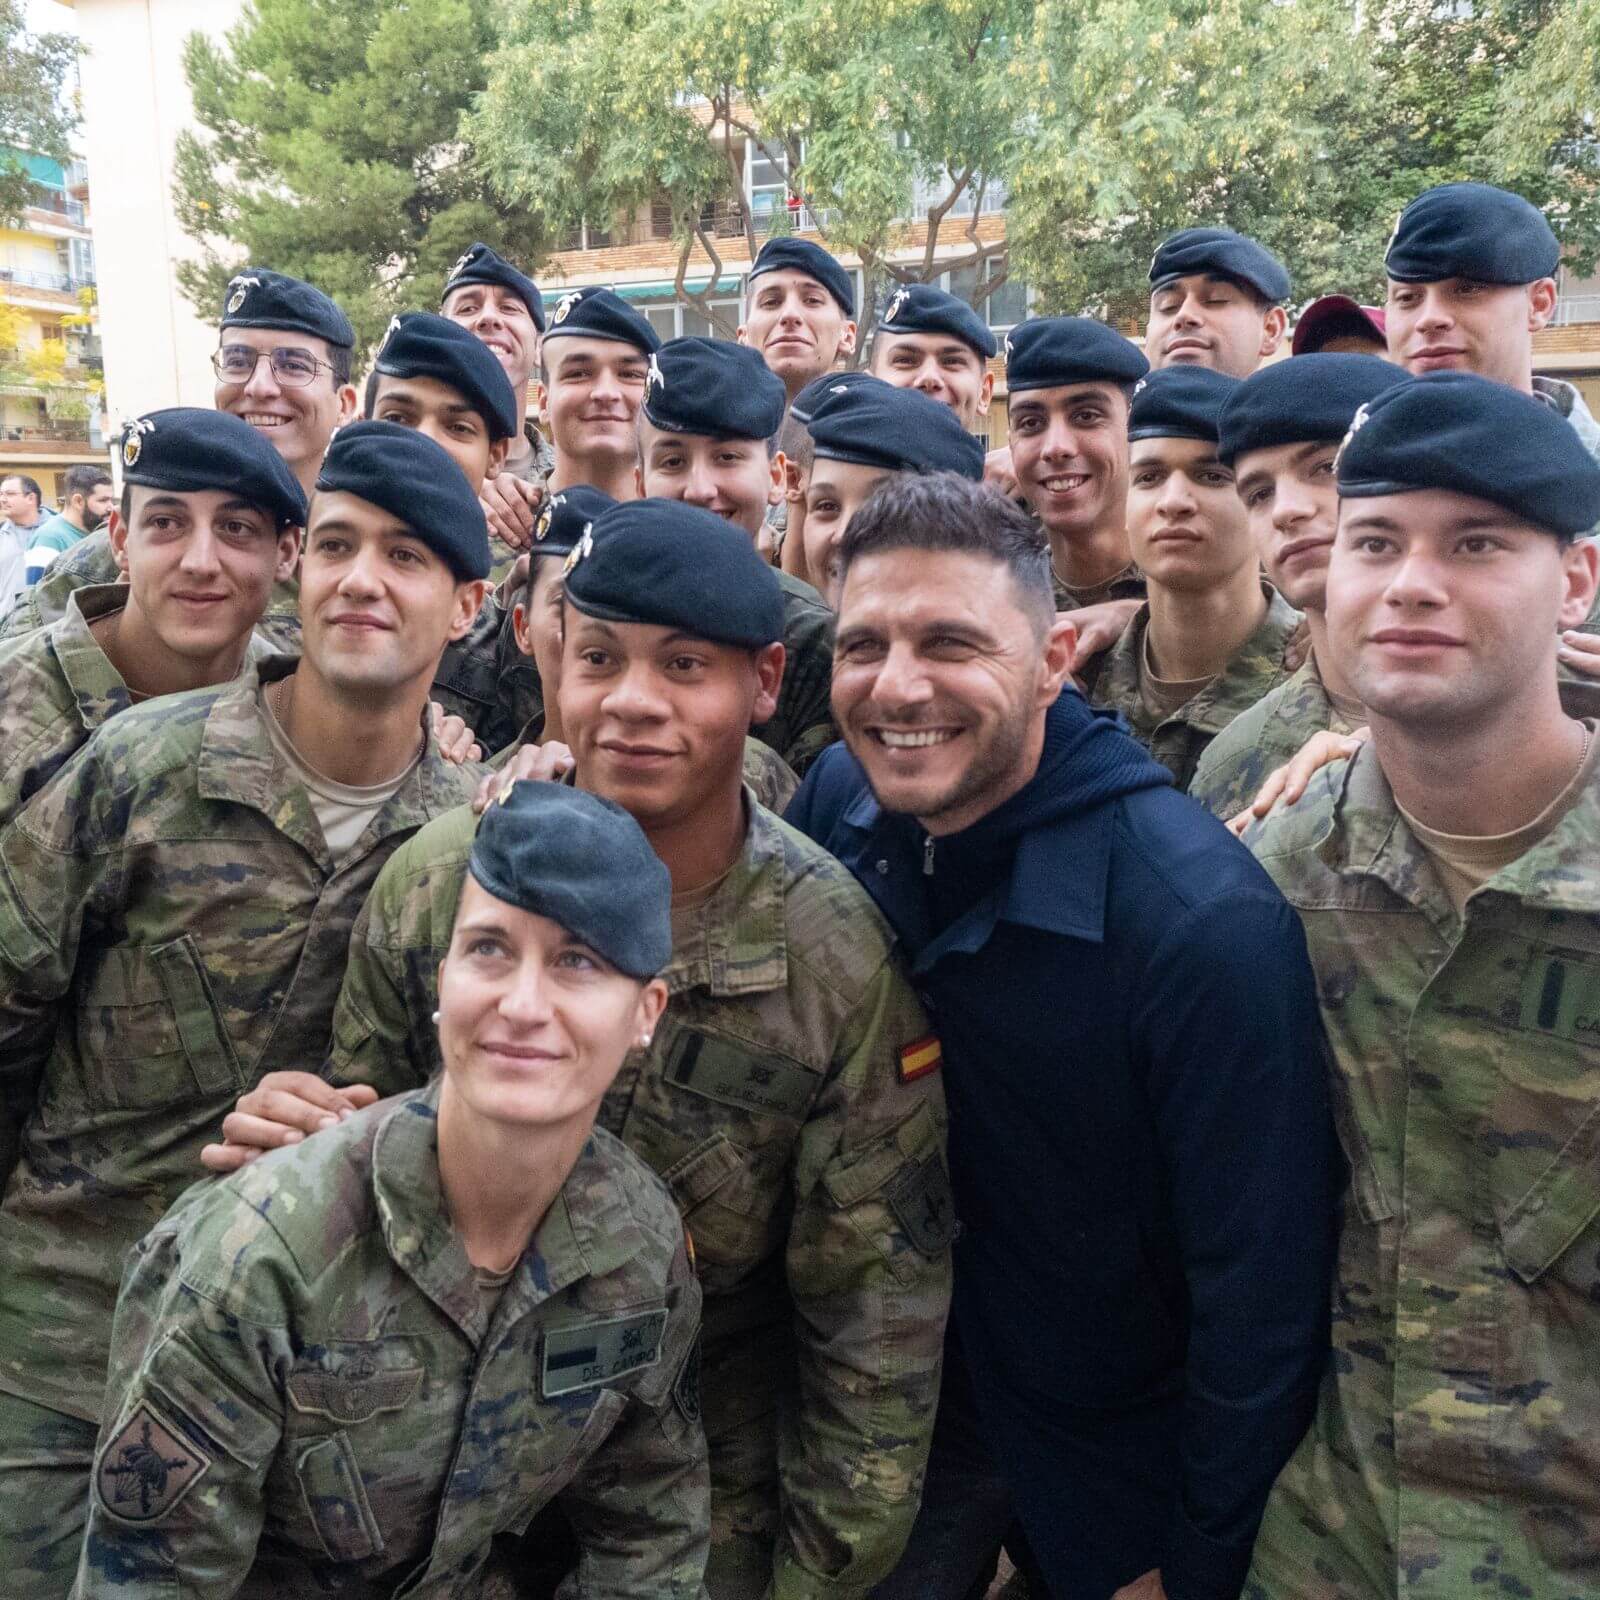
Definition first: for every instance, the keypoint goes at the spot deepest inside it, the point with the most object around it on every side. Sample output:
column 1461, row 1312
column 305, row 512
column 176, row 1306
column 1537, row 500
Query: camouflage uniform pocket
column 334, row 1499
column 148, row 1029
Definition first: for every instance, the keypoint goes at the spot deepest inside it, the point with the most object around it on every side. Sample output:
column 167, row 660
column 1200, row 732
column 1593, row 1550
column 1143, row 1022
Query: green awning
column 664, row 289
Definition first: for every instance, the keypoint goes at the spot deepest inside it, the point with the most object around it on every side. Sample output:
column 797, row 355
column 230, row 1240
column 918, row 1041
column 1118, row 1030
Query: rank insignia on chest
column 147, row 1468
column 590, row 1354
column 919, row 1059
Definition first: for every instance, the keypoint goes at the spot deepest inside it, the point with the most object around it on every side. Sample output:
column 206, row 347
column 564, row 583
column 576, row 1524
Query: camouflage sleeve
column 57, row 873
column 641, row 1505
column 869, row 1271
column 383, row 1031
column 191, row 1424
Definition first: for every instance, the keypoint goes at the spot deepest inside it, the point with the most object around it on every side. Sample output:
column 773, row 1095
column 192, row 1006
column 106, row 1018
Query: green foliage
column 331, row 150
column 601, row 109
column 33, row 116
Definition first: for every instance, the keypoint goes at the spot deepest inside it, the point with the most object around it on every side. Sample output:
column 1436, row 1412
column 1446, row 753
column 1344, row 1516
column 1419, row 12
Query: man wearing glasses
column 283, row 365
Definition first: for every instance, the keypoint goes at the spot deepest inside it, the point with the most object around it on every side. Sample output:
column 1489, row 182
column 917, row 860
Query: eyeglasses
column 294, row 369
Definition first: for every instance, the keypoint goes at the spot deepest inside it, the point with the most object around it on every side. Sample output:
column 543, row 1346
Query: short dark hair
column 943, row 511
column 370, row 398
column 83, row 480
column 340, row 358
column 28, row 485
column 794, row 439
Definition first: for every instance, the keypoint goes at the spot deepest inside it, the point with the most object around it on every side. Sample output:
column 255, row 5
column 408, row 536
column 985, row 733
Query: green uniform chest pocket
column 149, row 1031
column 335, row 1500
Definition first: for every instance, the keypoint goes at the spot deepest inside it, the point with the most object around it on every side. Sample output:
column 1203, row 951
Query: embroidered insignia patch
column 686, row 1391
column 353, row 1392
column 920, row 1197
column 592, row 1353
column 147, row 1468
column 917, row 1060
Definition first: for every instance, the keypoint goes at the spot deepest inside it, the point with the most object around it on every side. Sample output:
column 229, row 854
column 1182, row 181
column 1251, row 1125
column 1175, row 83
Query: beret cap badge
column 464, row 260
column 583, row 548
column 240, row 288
column 133, row 433
column 1357, row 423
column 565, row 305
column 654, row 378
column 541, row 529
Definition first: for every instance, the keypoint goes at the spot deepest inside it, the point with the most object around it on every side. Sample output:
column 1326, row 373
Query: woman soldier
column 344, row 1369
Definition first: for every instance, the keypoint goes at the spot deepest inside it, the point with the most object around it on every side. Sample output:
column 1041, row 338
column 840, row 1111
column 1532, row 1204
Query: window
column 1008, row 305
column 695, row 325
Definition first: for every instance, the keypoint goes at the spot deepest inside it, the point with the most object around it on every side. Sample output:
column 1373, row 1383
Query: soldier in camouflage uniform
column 350, row 1366
column 174, row 912
column 1207, row 605
column 1455, row 1449
column 790, row 1098
column 1280, row 432
column 1068, row 381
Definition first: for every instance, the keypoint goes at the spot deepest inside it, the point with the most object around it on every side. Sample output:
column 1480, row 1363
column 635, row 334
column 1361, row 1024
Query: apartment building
column 51, row 371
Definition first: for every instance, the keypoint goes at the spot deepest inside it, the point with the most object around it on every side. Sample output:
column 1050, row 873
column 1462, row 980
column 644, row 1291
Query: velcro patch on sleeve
column 147, row 1468
column 920, row 1058
column 686, row 1391
column 592, row 1353
column 920, row 1197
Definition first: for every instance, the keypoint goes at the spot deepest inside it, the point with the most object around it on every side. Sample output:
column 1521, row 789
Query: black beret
column 1179, row 403
column 601, row 314
column 901, row 430
column 479, row 264
column 1455, row 430
column 1052, row 352
column 421, row 345
column 1220, row 253
column 185, row 449
column 565, row 517
column 804, row 405
column 788, row 254
column 674, row 565
column 257, row 298
column 714, row 387
column 1471, row 230
column 1300, row 401
column 582, row 862
column 406, row 474
column 920, row 308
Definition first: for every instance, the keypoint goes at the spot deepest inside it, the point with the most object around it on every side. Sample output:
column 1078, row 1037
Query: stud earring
column 436, row 1019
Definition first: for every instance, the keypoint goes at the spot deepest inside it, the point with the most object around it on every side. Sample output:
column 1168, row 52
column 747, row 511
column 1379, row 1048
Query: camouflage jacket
column 486, row 680
column 1260, row 739
column 807, row 1159
column 1178, row 741
column 1126, row 585
column 1456, row 1446
column 307, row 1395
column 171, row 928
column 90, row 561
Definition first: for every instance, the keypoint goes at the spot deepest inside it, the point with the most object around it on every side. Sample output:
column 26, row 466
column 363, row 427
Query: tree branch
column 802, row 195
column 937, row 214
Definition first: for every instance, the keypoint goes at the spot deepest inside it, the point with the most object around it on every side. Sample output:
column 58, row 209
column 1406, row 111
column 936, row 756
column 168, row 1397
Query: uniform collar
column 588, row 1232
column 1368, row 837
column 97, row 687
column 238, row 762
column 736, row 942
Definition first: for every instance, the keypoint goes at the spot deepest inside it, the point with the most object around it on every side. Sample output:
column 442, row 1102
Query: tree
column 603, row 110
column 331, row 150
column 33, row 115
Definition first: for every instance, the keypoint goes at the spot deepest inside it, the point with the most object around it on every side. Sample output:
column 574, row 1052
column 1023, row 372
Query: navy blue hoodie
column 1140, row 1144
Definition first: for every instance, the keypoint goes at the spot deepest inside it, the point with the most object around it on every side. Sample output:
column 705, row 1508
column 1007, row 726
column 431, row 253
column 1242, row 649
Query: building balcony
column 52, row 206
column 54, row 282
column 63, row 432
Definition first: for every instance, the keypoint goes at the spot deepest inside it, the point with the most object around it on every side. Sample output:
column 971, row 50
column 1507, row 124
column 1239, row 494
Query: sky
column 45, row 16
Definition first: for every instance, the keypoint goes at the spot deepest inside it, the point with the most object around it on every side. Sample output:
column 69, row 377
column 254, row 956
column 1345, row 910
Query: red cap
column 1313, row 326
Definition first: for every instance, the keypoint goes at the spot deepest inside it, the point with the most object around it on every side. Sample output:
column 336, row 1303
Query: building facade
column 51, row 366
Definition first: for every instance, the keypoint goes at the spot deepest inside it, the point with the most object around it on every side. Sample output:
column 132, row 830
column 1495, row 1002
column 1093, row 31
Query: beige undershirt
column 343, row 812
column 1097, row 593
column 1466, row 862
column 1348, row 712
column 491, row 1285
column 1162, row 697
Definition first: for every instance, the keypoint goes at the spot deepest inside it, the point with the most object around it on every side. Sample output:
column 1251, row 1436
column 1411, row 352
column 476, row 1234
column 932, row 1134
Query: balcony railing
column 1576, row 308
column 61, row 282
column 48, row 432
column 52, row 204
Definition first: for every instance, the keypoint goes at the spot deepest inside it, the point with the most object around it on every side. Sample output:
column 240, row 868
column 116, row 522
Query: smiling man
column 1216, row 300
column 932, row 342
column 1139, row 1135
column 1068, row 381
column 1446, row 880
column 496, row 303
column 1210, row 639
column 1280, row 432
column 175, row 908
column 799, row 311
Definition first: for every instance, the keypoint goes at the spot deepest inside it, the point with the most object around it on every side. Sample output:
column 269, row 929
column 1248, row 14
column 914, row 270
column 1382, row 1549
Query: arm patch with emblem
column 148, row 1467
column 919, row 1195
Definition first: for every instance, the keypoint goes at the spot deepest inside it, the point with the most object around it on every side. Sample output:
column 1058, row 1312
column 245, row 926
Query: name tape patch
column 1562, row 997
column 592, row 1353
column 720, row 1071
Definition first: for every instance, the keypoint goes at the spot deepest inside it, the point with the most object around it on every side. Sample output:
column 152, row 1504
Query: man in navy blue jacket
column 1140, row 1141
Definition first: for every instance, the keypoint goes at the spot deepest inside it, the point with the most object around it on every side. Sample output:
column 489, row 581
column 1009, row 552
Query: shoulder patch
column 686, row 1391
column 147, row 1468
column 920, row 1058
column 920, row 1197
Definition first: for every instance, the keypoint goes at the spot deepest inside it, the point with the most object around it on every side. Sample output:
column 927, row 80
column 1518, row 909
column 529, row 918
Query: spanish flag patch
column 920, row 1058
